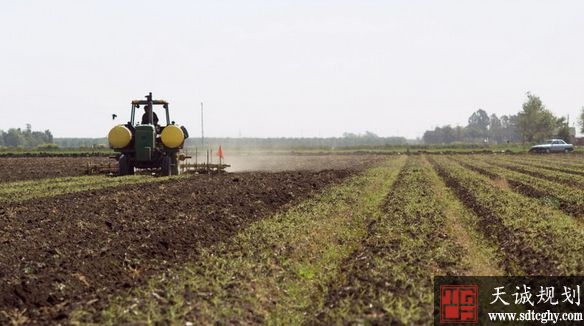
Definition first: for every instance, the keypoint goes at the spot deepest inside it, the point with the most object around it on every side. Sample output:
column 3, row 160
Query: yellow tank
column 172, row 136
column 119, row 136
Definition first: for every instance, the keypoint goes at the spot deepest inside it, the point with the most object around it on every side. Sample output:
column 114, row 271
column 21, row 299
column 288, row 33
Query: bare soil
column 30, row 168
column 77, row 250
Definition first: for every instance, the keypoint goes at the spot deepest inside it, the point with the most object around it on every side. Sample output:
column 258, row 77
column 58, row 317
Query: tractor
column 146, row 144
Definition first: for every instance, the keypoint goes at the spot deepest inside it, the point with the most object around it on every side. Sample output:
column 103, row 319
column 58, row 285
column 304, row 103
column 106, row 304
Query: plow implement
column 184, row 166
column 101, row 168
column 193, row 168
column 207, row 167
column 203, row 168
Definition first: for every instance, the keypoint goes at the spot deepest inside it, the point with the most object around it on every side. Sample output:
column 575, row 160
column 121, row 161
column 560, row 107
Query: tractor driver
column 145, row 117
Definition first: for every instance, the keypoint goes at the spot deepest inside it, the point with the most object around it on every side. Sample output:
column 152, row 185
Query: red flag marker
column 220, row 152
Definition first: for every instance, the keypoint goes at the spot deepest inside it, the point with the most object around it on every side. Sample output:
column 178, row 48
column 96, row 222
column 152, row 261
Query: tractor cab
column 149, row 116
column 148, row 143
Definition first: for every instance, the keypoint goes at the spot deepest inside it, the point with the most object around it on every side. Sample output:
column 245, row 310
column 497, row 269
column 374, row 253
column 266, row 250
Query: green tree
column 480, row 120
column 433, row 136
column 564, row 133
column 478, row 125
column 25, row 138
column 535, row 122
column 509, row 129
column 449, row 134
column 563, row 129
column 14, row 138
column 441, row 135
column 495, row 128
column 48, row 136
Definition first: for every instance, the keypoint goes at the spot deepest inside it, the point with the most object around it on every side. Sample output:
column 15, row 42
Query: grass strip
column 275, row 271
column 462, row 224
column 30, row 189
column 533, row 239
column 553, row 176
column 558, row 196
column 552, row 163
column 389, row 279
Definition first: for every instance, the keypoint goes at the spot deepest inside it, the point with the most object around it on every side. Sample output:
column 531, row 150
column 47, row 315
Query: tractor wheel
column 124, row 166
column 175, row 165
column 166, row 166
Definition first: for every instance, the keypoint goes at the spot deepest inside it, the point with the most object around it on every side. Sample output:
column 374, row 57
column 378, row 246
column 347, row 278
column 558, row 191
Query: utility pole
column 568, row 120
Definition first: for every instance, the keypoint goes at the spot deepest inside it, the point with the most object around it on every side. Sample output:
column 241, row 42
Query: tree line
column 27, row 138
column 347, row 140
column 532, row 124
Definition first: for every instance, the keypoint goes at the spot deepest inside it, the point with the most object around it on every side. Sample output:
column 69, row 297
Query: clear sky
column 287, row 68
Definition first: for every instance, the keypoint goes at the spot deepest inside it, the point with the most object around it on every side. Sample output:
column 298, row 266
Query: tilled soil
column 36, row 167
column 78, row 249
column 29, row 168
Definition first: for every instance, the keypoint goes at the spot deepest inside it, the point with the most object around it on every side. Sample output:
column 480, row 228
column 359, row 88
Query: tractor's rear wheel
column 124, row 166
column 166, row 166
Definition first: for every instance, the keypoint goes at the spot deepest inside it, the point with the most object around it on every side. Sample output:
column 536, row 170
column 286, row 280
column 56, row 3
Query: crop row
column 389, row 279
column 551, row 163
column 568, row 160
column 533, row 239
column 566, row 198
column 554, row 176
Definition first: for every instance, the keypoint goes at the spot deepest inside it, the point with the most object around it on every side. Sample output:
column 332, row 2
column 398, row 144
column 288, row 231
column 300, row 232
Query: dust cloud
column 242, row 162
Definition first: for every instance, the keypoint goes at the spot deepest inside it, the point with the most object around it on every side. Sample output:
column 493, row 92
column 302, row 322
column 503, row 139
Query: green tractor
column 145, row 144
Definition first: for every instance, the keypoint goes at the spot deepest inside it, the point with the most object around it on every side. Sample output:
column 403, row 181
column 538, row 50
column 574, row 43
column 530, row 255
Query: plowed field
column 332, row 240
column 29, row 168
column 77, row 249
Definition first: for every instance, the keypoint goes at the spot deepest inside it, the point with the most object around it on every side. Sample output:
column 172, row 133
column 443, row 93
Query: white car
column 552, row 146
